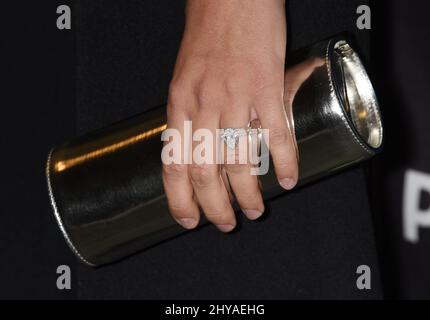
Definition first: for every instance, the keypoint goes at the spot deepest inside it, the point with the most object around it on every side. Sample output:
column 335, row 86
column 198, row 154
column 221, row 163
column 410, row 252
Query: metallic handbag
column 106, row 188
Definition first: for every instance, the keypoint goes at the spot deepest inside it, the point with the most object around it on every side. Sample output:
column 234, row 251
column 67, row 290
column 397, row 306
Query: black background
column 37, row 63
column 400, row 68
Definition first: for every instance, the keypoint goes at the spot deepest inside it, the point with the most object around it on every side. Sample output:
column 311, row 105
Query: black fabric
column 401, row 79
column 37, row 112
column 312, row 240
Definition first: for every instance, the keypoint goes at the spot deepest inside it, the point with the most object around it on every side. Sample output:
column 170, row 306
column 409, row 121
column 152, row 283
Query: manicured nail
column 188, row 223
column 252, row 214
column 287, row 183
column 225, row 227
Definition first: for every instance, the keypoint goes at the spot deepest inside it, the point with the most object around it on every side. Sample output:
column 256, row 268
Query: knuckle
column 171, row 110
column 206, row 93
column 200, row 175
column 278, row 136
column 264, row 81
column 178, row 209
column 236, row 168
column 179, row 92
column 174, row 170
column 233, row 85
column 240, row 154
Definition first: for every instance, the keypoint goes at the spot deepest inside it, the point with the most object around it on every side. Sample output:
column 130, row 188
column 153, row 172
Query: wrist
column 238, row 24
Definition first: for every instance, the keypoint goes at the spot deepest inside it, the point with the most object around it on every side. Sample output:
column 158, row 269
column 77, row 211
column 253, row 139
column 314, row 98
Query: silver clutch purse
column 106, row 188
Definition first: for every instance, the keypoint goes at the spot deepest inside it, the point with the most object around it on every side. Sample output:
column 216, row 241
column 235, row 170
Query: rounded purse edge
column 57, row 213
column 334, row 87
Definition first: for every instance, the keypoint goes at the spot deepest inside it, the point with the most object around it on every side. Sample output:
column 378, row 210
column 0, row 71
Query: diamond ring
column 231, row 136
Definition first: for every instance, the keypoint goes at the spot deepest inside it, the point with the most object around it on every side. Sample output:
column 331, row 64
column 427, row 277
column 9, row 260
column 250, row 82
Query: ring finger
column 237, row 164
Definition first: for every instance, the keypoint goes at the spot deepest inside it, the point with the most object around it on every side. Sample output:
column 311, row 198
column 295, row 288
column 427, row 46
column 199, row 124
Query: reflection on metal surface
column 67, row 163
column 114, row 205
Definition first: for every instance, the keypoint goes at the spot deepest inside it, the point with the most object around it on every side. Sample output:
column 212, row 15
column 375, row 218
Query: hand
column 229, row 70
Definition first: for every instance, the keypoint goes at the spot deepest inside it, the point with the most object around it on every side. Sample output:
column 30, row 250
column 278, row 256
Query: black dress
column 311, row 241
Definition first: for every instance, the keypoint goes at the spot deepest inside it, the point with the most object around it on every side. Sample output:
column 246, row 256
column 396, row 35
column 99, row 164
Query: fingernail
column 252, row 214
column 225, row 227
column 188, row 223
column 287, row 183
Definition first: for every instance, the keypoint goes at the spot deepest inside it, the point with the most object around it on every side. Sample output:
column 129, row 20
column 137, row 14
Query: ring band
column 231, row 136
